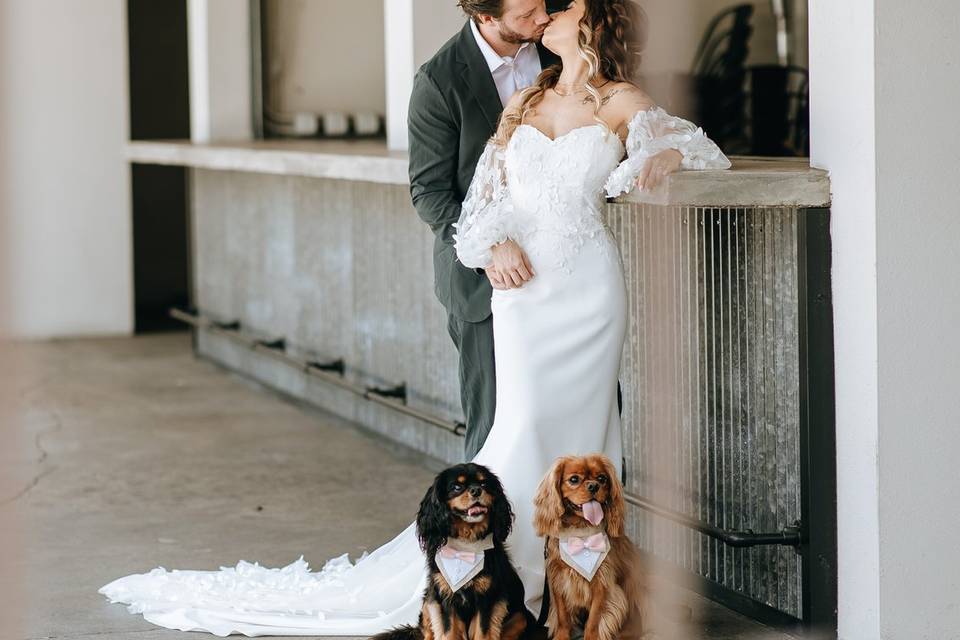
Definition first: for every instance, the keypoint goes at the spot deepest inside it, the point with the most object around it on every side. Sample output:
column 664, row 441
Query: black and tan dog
column 473, row 591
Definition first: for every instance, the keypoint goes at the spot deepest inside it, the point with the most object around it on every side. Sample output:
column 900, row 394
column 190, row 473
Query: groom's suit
column 454, row 110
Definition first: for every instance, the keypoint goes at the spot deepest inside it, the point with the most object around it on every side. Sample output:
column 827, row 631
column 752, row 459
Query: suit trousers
column 478, row 386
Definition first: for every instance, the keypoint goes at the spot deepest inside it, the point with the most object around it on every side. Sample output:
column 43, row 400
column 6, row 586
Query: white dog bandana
column 460, row 561
column 584, row 550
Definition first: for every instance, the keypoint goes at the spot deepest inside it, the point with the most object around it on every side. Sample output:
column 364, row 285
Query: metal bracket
column 398, row 391
column 227, row 326
column 280, row 344
column 338, row 365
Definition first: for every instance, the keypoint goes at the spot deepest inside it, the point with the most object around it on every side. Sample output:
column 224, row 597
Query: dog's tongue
column 593, row 512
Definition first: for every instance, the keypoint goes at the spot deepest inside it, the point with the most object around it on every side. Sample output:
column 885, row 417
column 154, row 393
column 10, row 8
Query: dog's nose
column 593, row 487
column 475, row 491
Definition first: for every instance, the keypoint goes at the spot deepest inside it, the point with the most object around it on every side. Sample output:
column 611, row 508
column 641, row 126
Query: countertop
column 751, row 181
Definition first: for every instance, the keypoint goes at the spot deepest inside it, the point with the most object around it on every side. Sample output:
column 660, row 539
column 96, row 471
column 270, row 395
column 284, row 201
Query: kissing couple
column 520, row 127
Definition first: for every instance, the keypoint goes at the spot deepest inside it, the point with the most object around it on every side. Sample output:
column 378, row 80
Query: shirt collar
column 494, row 60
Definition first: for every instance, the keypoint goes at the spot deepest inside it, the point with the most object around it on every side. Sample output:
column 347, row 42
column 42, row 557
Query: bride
column 532, row 218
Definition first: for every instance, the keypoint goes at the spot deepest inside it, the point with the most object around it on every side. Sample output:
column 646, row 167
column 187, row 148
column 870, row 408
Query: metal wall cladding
column 710, row 373
column 709, row 370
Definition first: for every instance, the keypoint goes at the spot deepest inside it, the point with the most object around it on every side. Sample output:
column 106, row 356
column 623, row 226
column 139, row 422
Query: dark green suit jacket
column 454, row 110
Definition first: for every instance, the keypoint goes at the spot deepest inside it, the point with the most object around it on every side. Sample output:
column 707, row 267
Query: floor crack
column 26, row 489
column 57, row 426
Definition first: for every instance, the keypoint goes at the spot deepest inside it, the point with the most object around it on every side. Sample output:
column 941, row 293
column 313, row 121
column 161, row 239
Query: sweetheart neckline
column 565, row 134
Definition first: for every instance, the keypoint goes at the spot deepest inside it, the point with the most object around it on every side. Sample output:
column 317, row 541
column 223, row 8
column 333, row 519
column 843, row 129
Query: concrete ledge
column 752, row 181
column 366, row 161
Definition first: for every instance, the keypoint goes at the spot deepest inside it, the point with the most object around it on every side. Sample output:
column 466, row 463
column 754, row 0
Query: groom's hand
column 511, row 265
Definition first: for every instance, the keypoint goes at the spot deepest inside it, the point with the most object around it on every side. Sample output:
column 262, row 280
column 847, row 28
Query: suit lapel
column 477, row 76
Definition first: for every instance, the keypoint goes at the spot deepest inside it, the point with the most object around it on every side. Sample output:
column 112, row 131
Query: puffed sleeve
column 651, row 131
column 486, row 216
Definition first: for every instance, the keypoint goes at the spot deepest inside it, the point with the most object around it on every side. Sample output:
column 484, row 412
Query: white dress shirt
column 510, row 74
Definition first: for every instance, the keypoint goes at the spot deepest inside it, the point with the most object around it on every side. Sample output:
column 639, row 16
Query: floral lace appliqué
column 547, row 194
column 654, row 130
column 486, row 217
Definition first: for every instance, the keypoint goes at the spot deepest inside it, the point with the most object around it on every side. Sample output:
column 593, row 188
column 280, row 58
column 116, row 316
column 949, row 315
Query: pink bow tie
column 467, row 556
column 596, row 542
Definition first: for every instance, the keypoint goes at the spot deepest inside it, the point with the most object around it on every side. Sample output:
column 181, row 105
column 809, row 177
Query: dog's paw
column 560, row 634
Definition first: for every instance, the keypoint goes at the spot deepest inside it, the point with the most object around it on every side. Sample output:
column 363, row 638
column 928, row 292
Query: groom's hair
column 473, row 8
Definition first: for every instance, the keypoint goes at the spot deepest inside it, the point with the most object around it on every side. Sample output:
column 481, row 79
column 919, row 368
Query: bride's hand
column 511, row 264
column 495, row 280
column 657, row 167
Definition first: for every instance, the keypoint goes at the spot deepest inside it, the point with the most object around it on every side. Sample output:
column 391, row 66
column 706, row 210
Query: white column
column 414, row 30
column 843, row 140
column 884, row 94
column 65, row 228
column 398, row 49
column 220, row 76
column 918, row 311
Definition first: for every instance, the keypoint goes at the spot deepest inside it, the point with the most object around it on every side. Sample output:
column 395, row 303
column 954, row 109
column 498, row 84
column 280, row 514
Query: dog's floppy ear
column 548, row 501
column 614, row 505
column 501, row 520
column 433, row 518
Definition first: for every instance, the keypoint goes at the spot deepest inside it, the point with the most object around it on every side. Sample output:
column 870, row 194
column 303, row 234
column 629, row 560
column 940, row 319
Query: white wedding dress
column 557, row 342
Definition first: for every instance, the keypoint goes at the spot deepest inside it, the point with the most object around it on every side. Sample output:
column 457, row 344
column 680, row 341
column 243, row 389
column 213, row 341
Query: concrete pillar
column 843, row 141
column 221, row 99
column 413, row 30
column 918, row 310
column 883, row 95
column 65, row 229
column 398, row 49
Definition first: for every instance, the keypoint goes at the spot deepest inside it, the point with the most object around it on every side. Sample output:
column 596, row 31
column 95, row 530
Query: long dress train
column 557, row 342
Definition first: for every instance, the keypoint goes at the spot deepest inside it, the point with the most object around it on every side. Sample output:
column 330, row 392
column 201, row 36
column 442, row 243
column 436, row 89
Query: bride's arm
column 658, row 144
column 487, row 228
column 486, row 215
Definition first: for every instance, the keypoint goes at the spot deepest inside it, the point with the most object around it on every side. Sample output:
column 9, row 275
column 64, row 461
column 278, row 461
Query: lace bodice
column 552, row 189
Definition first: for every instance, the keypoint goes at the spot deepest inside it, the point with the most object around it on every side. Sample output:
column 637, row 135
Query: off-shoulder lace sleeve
column 486, row 216
column 654, row 130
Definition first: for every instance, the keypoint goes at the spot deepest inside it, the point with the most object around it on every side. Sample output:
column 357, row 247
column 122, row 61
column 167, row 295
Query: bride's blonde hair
column 611, row 37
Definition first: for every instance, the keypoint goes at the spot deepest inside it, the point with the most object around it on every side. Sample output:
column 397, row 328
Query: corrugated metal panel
column 710, row 377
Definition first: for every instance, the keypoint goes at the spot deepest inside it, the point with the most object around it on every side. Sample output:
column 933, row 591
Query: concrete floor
column 129, row 453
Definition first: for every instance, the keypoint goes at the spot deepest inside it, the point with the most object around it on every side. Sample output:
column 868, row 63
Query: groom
column 457, row 98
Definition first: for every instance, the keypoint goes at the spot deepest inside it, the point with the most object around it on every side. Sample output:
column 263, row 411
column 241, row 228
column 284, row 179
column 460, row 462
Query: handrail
column 788, row 536
column 384, row 396
column 392, row 397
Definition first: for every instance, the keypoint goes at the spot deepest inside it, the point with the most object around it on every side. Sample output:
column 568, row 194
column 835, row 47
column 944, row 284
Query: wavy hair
column 474, row 8
column 612, row 36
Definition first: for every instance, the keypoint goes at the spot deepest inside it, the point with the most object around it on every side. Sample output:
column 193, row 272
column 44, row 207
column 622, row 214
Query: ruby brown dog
column 594, row 573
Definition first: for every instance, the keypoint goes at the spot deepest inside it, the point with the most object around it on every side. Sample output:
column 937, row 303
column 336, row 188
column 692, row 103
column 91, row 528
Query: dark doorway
column 159, row 109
